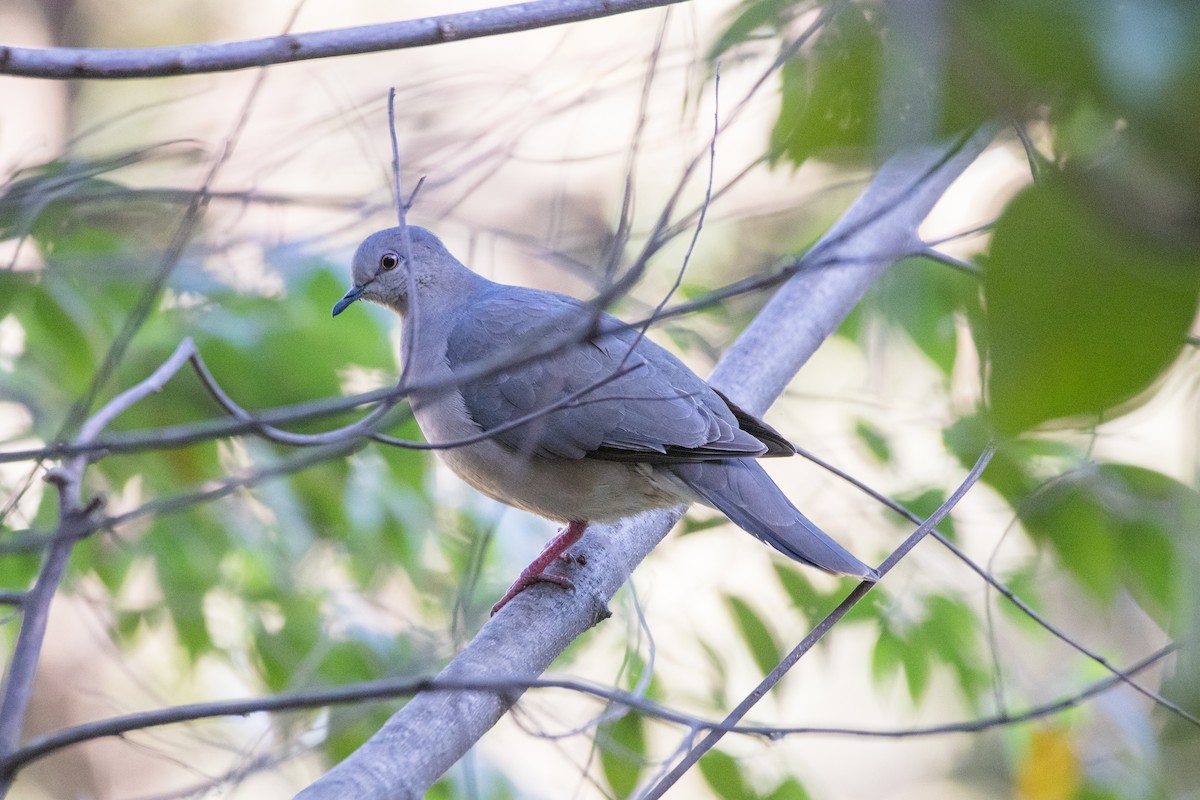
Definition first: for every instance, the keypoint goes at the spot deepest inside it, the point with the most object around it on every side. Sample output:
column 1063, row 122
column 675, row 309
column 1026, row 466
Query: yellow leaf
column 1050, row 770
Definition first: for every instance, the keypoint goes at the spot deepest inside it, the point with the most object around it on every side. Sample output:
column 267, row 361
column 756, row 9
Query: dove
column 549, row 405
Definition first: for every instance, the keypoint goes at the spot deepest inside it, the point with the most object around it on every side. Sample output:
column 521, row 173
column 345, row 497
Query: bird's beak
column 348, row 298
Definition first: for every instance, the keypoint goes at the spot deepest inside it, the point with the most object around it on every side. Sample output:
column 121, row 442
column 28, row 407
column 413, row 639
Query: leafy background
column 1061, row 331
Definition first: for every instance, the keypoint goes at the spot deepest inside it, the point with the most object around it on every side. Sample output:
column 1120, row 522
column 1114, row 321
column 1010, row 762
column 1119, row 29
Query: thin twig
column 625, row 216
column 394, row 688
column 538, row 344
column 73, row 514
column 564, row 402
column 1001, row 587
column 278, row 435
column 958, row 264
column 27, row 541
column 859, row 592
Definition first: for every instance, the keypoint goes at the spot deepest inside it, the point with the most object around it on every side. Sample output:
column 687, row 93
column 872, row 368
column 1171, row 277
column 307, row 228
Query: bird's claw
column 525, row 580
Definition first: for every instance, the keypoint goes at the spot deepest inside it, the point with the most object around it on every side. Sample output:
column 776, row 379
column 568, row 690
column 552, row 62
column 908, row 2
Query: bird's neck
column 434, row 314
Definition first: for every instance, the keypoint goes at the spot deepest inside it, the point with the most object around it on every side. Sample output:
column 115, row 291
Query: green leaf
column 757, row 635
column 1082, row 315
column 1024, row 584
column 946, row 634
column 724, row 776
column 951, row 633
column 875, row 440
column 281, row 652
column 18, row 570
column 347, row 662
column 790, row 789
column 350, row 726
column 751, row 17
column 1116, row 525
column 887, row 655
column 187, row 550
column 807, row 600
column 1066, row 515
column 716, row 661
column 828, row 103
column 924, row 504
column 59, row 356
column 926, row 299
column 623, row 753
column 1018, row 467
column 690, row 524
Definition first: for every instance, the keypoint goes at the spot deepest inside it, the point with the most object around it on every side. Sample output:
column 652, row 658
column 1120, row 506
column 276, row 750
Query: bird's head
column 381, row 269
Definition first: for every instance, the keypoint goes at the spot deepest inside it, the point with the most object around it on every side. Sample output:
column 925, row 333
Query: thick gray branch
column 425, row 738
column 156, row 62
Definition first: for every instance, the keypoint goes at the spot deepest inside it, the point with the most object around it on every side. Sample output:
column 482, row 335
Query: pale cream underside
column 559, row 489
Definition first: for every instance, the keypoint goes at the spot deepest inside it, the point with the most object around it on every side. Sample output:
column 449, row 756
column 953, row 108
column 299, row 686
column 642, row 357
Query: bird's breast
column 559, row 489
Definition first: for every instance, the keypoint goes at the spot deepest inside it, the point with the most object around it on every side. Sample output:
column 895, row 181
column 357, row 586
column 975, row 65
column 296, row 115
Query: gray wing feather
column 657, row 411
column 742, row 490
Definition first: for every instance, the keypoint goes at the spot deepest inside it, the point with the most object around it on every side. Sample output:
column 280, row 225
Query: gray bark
column 73, row 63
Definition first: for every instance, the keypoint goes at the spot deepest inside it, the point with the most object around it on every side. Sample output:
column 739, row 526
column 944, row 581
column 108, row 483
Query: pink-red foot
column 554, row 550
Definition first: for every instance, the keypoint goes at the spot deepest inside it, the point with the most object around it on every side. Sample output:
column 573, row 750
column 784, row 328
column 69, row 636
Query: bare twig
column 806, row 644
column 395, row 688
column 625, row 217
column 99, row 63
column 279, row 436
column 1003, row 589
column 27, row 541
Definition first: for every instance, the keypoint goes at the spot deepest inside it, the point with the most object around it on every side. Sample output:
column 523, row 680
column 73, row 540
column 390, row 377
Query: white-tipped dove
column 617, row 425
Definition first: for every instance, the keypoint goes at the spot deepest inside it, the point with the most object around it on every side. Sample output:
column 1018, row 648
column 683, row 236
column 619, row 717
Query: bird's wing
column 636, row 401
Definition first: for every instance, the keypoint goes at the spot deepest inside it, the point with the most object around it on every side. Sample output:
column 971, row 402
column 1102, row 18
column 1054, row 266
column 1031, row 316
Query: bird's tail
column 741, row 489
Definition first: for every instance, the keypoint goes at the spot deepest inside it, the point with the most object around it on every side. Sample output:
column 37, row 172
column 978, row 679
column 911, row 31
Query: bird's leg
column 555, row 549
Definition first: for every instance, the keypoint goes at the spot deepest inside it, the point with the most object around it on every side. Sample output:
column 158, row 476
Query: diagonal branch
column 1006, row 592
column 156, row 62
column 808, row 642
column 431, row 733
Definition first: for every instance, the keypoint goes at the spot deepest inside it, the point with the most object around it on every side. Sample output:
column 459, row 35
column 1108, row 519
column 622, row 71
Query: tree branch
column 391, row 689
column 431, row 733
column 62, row 63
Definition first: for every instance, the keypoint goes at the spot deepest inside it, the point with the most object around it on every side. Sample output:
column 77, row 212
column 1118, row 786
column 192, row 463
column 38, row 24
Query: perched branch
column 431, row 733
column 157, row 62
column 396, row 688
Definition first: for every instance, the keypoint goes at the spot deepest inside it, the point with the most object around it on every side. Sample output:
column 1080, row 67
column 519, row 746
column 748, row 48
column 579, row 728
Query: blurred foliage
column 1051, row 768
column 1084, row 312
column 1087, row 289
column 1074, row 312
column 256, row 553
column 725, row 777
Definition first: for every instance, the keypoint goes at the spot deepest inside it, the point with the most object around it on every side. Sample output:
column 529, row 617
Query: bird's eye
column 388, row 261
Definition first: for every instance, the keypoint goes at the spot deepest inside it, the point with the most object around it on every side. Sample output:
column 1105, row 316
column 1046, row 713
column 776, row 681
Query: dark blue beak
column 348, row 298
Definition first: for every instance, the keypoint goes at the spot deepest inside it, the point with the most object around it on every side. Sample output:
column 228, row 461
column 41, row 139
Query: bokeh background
column 1055, row 316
